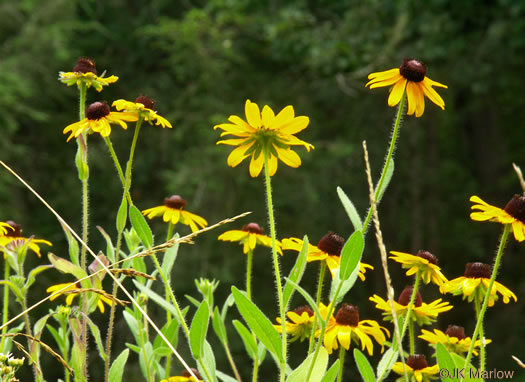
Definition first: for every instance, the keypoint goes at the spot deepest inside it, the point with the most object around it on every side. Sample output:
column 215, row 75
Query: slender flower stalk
column 5, row 303
column 479, row 323
column 249, row 273
column 276, row 264
column 390, row 154
column 342, row 353
column 478, row 300
column 322, row 271
column 408, row 322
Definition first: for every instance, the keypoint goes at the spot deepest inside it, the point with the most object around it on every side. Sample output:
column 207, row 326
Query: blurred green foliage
column 200, row 61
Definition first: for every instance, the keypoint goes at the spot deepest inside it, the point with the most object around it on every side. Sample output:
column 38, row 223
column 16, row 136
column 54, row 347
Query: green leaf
column 171, row 332
column 98, row 339
column 156, row 297
column 351, row 255
column 385, row 364
column 365, row 369
column 297, row 272
column 386, row 182
column 110, row 250
column 247, row 338
column 132, row 324
column 193, row 300
column 218, row 326
column 169, row 258
column 331, row 374
column 224, row 377
column 199, row 328
column 350, row 210
column 345, row 288
column 122, row 215
column 141, row 226
column 445, row 361
column 117, row 367
column 459, row 361
column 261, row 352
column 307, row 297
column 58, row 339
column 301, row 372
column 14, row 289
column 32, row 275
column 259, row 323
column 66, row 266
column 208, row 359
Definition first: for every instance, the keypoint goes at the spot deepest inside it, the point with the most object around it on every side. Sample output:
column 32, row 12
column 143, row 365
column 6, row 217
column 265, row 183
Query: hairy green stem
column 478, row 300
column 320, row 282
column 5, row 303
column 479, row 323
column 411, row 304
column 167, row 368
column 276, row 266
column 342, row 353
column 249, row 274
column 390, row 154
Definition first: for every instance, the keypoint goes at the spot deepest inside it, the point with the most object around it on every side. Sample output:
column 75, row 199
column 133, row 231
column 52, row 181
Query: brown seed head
column 331, row 244
column 404, row 297
column 16, row 231
column 305, row 308
column 175, row 202
column 85, row 65
column 456, row 331
column 516, row 207
column 97, row 110
column 253, row 228
column 428, row 256
column 146, row 101
column 187, row 374
column 347, row 315
column 417, row 361
column 413, row 70
column 478, row 270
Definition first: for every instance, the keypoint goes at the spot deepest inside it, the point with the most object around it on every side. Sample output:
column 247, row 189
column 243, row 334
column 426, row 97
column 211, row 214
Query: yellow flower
column 346, row 327
column 475, row 282
column 144, row 108
column 422, row 313
column 173, row 211
column 328, row 249
column 417, row 369
column 249, row 237
column 301, row 323
column 186, row 377
column 98, row 119
column 11, row 236
column 411, row 76
column 453, row 339
column 74, row 290
column 513, row 213
column 264, row 133
column 86, row 72
column 423, row 261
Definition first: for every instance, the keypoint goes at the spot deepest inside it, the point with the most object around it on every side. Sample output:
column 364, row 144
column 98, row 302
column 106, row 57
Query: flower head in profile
column 249, row 237
column 453, row 339
column 98, row 120
column 174, row 211
column 11, row 238
column 328, row 249
column 299, row 326
column 422, row 313
column 475, row 283
column 345, row 328
column 185, row 377
column 264, row 134
column 417, row 369
column 85, row 72
column 409, row 78
column 74, row 290
column 424, row 262
column 513, row 213
column 144, row 107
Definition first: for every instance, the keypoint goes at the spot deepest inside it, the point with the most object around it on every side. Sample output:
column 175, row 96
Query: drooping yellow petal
column 383, row 75
column 411, row 98
column 420, row 100
column 272, row 165
column 432, row 94
column 289, row 157
column 238, row 155
column 397, row 92
column 256, row 165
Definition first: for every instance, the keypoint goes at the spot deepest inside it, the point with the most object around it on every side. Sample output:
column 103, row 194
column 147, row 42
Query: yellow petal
column 411, row 98
column 285, row 116
column 256, row 165
column 268, row 116
column 397, row 92
column 296, row 125
column 238, row 154
column 272, row 165
column 432, row 94
column 253, row 115
column 289, row 157
column 420, row 100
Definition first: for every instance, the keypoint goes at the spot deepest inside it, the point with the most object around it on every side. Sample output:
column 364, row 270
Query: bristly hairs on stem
column 384, row 262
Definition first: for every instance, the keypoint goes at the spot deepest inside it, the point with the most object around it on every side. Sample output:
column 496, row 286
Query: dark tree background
column 200, row 61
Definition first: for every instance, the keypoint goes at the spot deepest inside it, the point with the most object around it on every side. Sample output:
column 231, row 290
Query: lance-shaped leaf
column 199, row 329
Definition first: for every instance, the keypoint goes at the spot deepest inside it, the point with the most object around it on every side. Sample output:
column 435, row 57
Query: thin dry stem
column 520, row 176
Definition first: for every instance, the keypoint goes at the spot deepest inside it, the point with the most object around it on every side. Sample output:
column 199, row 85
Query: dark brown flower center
column 413, row 70
column 417, row 361
column 456, row 331
column 404, row 297
column 331, row 244
column 347, row 315
column 97, row 110
column 253, row 228
column 187, row 374
column 428, row 256
column 15, row 231
column 478, row 270
column 85, row 65
column 516, row 207
column 175, row 202
column 146, row 101
column 305, row 308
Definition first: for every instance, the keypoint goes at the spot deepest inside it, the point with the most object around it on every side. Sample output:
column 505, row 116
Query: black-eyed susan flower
column 249, row 237
column 74, row 290
column 98, row 120
column 475, row 283
column 173, row 211
column 410, row 78
column 422, row 313
column 328, row 249
column 264, row 133
column 185, row 377
column 85, row 72
column 513, row 213
column 453, row 339
column 417, row 369
column 422, row 261
column 11, row 237
column 300, row 324
column 346, row 327
column 144, row 107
